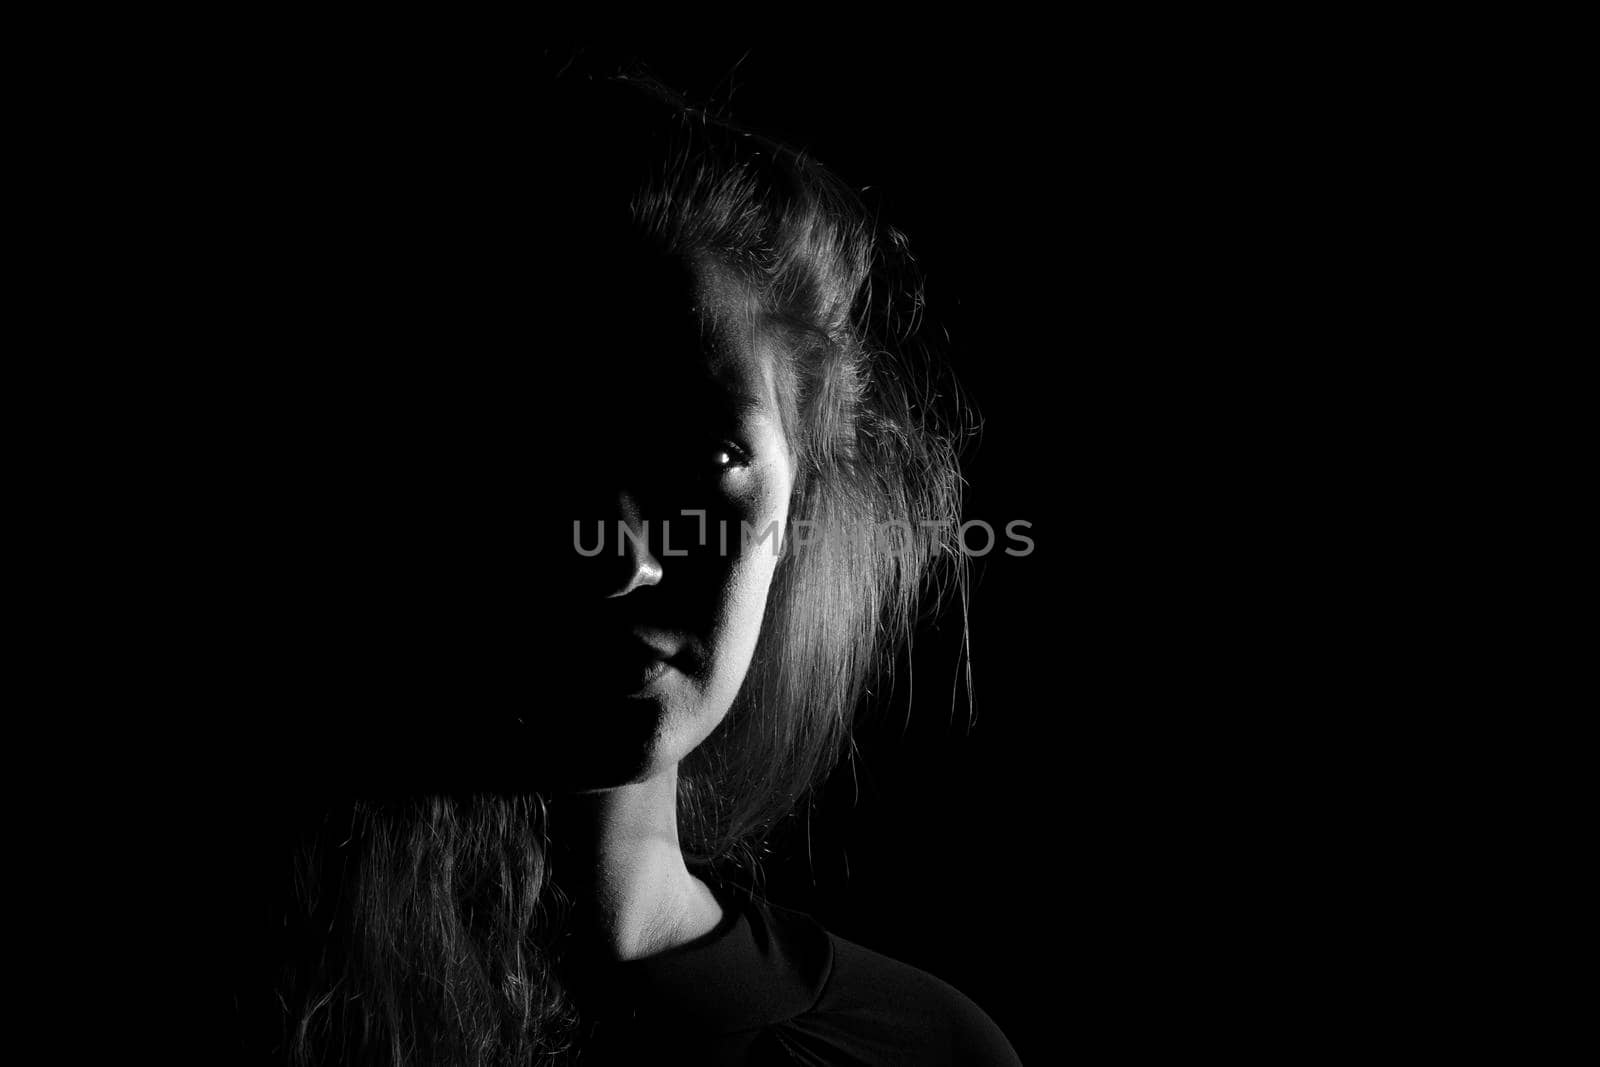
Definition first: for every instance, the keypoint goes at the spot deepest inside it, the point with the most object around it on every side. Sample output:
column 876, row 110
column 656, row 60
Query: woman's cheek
column 752, row 559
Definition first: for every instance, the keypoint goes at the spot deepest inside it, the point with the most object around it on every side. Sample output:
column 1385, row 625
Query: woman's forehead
column 738, row 355
column 679, row 329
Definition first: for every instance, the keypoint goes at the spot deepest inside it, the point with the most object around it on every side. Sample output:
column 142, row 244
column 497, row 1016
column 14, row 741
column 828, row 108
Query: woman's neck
column 623, row 867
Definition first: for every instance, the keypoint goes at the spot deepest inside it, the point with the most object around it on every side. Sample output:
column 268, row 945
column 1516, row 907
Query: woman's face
column 664, row 585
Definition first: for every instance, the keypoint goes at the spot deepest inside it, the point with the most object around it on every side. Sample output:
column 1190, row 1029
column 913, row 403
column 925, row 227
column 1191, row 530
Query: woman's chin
column 620, row 743
column 609, row 745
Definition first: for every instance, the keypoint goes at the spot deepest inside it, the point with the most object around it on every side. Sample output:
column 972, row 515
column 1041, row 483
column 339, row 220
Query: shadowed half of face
column 503, row 451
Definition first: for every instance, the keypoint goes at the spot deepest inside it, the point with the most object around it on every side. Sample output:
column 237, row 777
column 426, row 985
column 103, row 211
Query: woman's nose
column 638, row 566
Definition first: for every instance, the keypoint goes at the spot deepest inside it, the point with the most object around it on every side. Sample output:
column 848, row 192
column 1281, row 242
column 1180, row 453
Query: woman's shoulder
column 874, row 1008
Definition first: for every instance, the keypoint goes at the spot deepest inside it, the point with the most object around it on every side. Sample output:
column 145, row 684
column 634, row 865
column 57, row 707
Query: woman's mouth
column 643, row 660
column 642, row 678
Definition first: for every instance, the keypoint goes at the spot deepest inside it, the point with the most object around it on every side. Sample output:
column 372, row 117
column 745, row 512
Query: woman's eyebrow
column 740, row 401
column 735, row 394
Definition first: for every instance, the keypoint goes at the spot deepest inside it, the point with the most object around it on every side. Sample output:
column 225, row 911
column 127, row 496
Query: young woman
column 743, row 487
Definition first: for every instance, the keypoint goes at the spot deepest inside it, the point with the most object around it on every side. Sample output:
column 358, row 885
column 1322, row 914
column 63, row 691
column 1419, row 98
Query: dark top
column 770, row 986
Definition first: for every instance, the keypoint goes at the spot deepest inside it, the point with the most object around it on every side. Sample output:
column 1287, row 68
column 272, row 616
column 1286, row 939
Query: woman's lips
column 637, row 681
column 615, row 658
column 644, row 660
column 663, row 643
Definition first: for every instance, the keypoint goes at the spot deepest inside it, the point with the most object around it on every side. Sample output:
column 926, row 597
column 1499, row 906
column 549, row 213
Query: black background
column 1215, row 283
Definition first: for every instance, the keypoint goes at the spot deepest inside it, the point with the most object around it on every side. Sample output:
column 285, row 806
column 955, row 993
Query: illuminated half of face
column 678, row 506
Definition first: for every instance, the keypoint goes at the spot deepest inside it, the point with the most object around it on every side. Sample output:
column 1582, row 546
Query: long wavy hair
column 428, row 927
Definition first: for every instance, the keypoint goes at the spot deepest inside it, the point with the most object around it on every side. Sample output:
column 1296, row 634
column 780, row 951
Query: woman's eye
column 729, row 456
